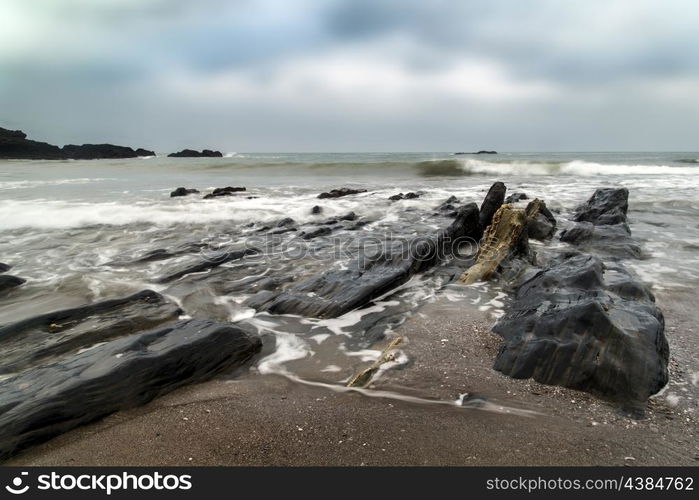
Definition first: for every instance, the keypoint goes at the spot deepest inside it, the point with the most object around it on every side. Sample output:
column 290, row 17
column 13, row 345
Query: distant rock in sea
column 481, row 152
column 191, row 153
column 14, row 145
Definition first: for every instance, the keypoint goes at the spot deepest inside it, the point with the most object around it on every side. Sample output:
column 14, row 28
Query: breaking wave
column 575, row 167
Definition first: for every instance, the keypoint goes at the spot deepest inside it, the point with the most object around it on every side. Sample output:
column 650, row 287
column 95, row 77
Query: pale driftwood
column 363, row 378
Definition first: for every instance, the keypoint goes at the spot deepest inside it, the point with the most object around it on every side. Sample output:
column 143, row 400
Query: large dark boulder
column 190, row 153
column 492, row 201
column 542, row 225
column 35, row 340
column 606, row 206
column 337, row 193
column 43, row 402
column 406, row 196
column 337, row 292
column 569, row 326
column 102, row 151
column 4, row 267
column 7, row 282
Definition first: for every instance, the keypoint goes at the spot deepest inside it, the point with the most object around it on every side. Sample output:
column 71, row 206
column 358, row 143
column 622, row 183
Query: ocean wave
column 575, row 167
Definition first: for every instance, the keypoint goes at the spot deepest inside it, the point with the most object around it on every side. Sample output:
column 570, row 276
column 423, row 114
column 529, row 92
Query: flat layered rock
column 334, row 293
column 202, row 264
column 36, row 340
column 46, row 401
column 191, row 153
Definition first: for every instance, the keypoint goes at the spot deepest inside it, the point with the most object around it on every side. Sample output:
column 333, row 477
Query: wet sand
column 270, row 420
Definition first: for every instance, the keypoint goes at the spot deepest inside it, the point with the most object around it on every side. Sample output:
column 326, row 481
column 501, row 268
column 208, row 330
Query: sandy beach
column 271, row 420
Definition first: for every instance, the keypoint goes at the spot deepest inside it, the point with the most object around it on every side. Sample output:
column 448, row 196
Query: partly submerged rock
column 35, row 340
column 541, row 224
column 337, row 193
column 601, row 226
column 205, row 263
column 7, row 282
column 191, row 153
column 224, row 191
column 182, row 191
column 516, row 196
column 46, row 401
column 4, row 267
column 406, row 196
column 569, row 326
column 606, row 206
column 336, row 292
column 316, row 209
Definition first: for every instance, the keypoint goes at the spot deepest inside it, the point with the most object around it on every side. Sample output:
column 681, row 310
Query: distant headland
column 14, row 145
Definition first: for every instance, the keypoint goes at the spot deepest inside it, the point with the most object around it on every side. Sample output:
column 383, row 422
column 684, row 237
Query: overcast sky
column 353, row 75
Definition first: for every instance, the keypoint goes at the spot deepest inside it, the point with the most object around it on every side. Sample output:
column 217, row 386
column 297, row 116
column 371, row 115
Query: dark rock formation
column 224, row 191
column 15, row 145
column 612, row 240
column 515, row 197
column 542, row 225
column 4, row 267
column 334, row 293
column 316, row 210
column 492, row 201
column 102, row 151
column 449, row 205
column 606, row 206
column 337, row 193
column 35, row 340
column 190, row 153
column 46, row 401
column 182, row 191
column 602, row 225
column 204, row 264
column 406, row 196
column 568, row 326
column 8, row 282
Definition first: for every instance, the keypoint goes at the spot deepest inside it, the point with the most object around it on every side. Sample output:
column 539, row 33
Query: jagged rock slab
column 44, row 402
column 568, row 326
column 28, row 342
column 205, row 264
column 334, row 293
column 491, row 203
